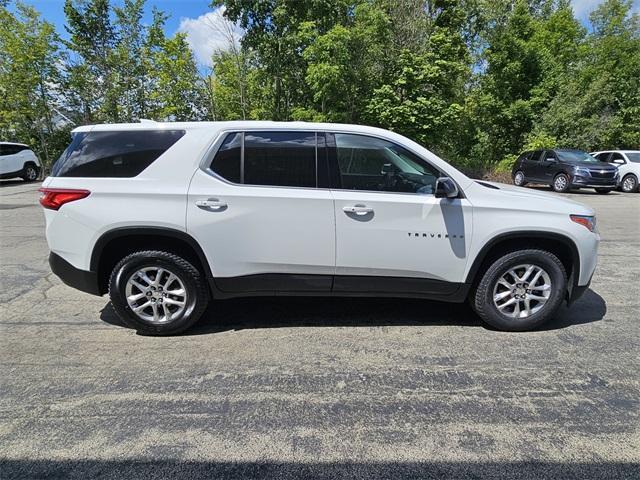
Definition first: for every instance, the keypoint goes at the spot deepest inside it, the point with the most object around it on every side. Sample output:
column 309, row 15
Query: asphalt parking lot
column 317, row 388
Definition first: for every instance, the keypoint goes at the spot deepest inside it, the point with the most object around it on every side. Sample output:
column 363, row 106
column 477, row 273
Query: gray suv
column 563, row 169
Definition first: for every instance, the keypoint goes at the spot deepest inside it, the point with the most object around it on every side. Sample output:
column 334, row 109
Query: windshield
column 633, row 157
column 575, row 156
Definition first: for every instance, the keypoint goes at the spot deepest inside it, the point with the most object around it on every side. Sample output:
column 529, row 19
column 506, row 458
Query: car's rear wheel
column 521, row 290
column 519, row 179
column 30, row 173
column 603, row 191
column 158, row 293
column 561, row 183
column 629, row 183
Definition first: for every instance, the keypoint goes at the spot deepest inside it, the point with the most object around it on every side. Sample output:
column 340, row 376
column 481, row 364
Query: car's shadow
column 278, row 312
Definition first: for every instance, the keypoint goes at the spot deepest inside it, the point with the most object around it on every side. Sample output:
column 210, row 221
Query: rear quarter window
column 113, row 154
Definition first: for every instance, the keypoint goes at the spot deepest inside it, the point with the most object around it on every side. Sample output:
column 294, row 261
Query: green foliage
column 29, row 58
column 476, row 81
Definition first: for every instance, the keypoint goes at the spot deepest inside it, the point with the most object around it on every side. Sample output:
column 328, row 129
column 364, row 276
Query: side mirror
column 618, row 161
column 446, row 188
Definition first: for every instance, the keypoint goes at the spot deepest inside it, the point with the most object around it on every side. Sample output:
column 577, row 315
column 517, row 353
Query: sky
column 206, row 29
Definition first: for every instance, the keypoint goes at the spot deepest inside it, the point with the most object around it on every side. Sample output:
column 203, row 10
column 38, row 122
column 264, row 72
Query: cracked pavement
column 316, row 388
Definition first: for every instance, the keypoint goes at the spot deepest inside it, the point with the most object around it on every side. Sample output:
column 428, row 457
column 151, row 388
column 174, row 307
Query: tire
column 519, row 179
column 603, row 191
column 561, row 183
column 30, row 173
column 160, row 316
column 506, row 318
column 629, row 183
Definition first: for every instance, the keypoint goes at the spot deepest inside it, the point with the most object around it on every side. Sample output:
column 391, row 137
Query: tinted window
column 616, row 158
column 535, row 156
column 11, row 149
column 368, row 163
column 603, row 156
column 286, row 159
column 524, row 156
column 226, row 163
column 633, row 157
column 113, row 154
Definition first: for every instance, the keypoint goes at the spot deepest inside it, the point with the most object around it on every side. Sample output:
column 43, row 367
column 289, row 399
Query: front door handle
column 211, row 204
column 358, row 209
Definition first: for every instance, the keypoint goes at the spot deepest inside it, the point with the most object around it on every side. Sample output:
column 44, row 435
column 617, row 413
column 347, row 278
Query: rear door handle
column 358, row 209
column 211, row 204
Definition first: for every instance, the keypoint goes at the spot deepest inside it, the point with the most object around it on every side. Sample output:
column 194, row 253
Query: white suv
column 628, row 162
column 166, row 216
column 18, row 160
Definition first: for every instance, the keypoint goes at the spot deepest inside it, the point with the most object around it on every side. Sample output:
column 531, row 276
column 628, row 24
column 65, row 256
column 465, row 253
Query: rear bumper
column 74, row 277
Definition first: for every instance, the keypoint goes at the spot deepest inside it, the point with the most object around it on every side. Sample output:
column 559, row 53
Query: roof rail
column 146, row 120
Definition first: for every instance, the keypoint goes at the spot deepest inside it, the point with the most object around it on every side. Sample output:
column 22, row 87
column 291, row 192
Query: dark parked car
column 563, row 169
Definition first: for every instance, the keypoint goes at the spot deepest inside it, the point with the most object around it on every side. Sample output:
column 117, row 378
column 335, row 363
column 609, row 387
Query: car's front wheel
column 519, row 179
column 158, row 293
column 629, row 183
column 521, row 290
column 561, row 183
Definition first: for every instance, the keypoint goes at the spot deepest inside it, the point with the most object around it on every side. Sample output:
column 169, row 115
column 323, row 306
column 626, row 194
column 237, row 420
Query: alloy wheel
column 629, row 184
column 522, row 291
column 156, row 295
column 560, row 182
column 519, row 179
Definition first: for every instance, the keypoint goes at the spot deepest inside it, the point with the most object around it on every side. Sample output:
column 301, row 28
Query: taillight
column 54, row 198
column 586, row 221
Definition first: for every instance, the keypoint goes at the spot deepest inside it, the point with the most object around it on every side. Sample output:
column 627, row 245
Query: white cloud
column 210, row 33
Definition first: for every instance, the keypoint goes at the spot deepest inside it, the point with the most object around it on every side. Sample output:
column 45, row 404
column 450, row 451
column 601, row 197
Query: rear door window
column 227, row 162
column 277, row 159
column 284, row 159
column 116, row 154
column 535, row 156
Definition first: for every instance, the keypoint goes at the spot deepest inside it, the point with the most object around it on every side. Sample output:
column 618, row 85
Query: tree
column 28, row 78
column 277, row 31
column 90, row 73
column 599, row 105
column 178, row 89
column 423, row 99
column 344, row 65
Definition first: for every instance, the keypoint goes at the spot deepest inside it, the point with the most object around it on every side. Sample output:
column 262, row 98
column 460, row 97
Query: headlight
column 584, row 172
column 589, row 222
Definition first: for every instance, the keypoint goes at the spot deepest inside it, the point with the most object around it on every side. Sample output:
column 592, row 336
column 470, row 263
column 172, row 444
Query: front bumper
column 74, row 277
column 593, row 182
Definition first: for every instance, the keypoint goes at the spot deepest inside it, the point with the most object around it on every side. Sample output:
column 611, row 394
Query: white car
column 18, row 160
column 168, row 216
column 628, row 162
